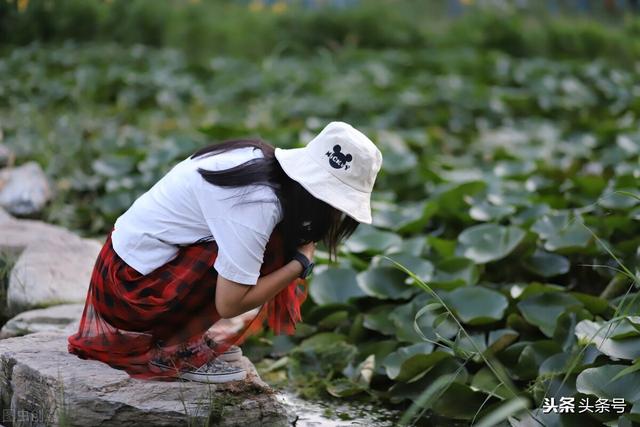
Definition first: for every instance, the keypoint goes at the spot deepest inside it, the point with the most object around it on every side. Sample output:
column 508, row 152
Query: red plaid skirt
column 127, row 314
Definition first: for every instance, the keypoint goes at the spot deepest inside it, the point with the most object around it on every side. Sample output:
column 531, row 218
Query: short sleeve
column 240, row 250
column 242, row 241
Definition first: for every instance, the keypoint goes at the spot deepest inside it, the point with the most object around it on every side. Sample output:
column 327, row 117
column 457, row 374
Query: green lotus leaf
column 489, row 242
column 562, row 233
column 451, row 198
column 384, row 283
column 474, row 343
column 543, row 310
column 445, row 371
column 601, row 333
column 334, row 320
column 409, row 217
column 454, row 272
column 399, row 162
column 334, row 285
column 598, row 382
column 377, row 319
column 618, row 198
column 486, row 381
column 547, row 264
column 449, row 404
column 500, row 339
column 344, row 388
column 368, row 239
column 594, row 304
column 549, row 225
column 487, row 212
column 321, row 340
column 476, row 305
column 114, row 166
column 525, row 290
column 416, row 246
column 402, row 318
column 407, row 363
column 433, row 322
column 445, row 248
column 506, row 168
column 405, row 318
column 533, row 355
column 319, row 312
column 418, row 266
column 573, row 237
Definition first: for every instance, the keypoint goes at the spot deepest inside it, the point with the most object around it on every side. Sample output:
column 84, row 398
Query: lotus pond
column 500, row 269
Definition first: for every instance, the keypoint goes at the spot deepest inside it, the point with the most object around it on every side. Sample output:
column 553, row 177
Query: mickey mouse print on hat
column 339, row 166
column 338, row 159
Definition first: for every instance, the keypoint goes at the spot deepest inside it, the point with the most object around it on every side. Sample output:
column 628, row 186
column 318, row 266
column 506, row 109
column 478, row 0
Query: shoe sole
column 206, row 377
column 214, row 378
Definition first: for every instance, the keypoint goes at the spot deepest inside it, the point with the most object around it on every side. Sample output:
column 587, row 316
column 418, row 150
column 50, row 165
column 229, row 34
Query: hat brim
column 323, row 185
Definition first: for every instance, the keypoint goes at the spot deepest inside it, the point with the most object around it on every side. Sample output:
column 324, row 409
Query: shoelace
column 172, row 355
column 218, row 367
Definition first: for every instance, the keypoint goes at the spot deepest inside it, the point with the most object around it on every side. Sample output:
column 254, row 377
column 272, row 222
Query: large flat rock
column 41, row 382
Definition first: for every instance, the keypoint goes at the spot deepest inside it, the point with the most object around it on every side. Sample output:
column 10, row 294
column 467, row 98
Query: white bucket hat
column 339, row 166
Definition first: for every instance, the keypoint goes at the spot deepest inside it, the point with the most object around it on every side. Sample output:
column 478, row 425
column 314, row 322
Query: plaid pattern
column 127, row 315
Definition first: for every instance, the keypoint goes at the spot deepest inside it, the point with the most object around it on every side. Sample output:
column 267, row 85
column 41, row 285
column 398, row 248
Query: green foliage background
column 509, row 185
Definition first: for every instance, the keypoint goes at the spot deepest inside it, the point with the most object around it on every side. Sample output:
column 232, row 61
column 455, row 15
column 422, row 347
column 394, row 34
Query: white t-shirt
column 182, row 208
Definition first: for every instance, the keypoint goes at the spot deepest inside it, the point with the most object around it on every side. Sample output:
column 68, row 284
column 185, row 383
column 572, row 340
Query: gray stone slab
column 41, row 380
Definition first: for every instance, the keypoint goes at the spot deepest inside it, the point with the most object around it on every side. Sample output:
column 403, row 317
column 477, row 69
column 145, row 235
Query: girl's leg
column 180, row 330
column 195, row 326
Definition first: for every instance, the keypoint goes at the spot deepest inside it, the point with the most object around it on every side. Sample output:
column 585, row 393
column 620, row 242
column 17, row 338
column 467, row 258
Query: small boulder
column 51, row 273
column 24, row 190
column 40, row 381
column 55, row 269
column 59, row 318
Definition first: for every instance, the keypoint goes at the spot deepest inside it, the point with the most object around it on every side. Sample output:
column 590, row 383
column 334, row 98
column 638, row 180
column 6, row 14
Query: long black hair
column 305, row 218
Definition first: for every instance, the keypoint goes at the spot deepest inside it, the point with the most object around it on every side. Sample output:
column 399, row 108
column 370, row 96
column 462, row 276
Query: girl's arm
column 233, row 299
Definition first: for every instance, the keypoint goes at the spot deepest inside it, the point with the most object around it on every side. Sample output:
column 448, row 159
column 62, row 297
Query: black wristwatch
column 306, row 264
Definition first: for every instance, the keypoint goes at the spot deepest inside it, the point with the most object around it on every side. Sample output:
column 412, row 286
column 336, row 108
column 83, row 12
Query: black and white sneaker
column 216, row 371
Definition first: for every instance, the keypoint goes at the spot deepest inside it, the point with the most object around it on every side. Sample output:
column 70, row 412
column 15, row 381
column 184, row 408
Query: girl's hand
column 308, row 250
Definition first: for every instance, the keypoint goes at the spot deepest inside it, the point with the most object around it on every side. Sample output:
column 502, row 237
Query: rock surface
column 17, row 234
column 59, row 318
column 51, row 264
column 51, row 273
column 40, row 381
column 24, row 190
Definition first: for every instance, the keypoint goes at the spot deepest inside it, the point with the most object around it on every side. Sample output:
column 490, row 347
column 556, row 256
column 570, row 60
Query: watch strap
column 302, row 259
